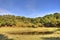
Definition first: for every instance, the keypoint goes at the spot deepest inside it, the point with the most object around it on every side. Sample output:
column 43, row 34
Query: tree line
column 51, row 20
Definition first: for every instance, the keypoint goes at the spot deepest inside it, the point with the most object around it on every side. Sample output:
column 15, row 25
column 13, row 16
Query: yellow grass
column 10, row 29
column 6, row 30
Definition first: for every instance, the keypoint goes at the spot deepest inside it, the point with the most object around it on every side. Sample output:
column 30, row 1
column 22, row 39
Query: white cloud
column 5, row 12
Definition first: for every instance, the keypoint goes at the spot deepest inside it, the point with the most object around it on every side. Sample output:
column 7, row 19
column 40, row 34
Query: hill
column 51, row 20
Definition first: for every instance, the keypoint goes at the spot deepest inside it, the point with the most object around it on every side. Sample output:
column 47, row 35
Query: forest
column 51, row 20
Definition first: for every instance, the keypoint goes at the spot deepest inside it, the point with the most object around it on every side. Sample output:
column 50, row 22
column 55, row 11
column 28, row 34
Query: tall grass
column 43, row 32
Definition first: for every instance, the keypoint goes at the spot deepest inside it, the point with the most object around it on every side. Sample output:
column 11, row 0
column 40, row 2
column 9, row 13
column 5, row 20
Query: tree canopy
column 51, row 20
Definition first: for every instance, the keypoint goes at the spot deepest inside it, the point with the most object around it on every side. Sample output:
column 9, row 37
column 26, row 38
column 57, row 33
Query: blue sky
column 29, row 8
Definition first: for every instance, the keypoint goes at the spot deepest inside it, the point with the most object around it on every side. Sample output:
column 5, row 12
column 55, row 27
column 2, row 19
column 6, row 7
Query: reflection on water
column 52, row 38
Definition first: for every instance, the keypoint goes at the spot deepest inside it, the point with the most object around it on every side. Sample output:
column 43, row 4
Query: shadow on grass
column 2, row 37
column 58, row 30
column 51, row 38
column 30, row 33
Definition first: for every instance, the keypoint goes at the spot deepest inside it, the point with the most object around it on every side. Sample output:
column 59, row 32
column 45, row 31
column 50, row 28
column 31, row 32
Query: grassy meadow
column 22, row 28
column 29, row 20
column 41, row 33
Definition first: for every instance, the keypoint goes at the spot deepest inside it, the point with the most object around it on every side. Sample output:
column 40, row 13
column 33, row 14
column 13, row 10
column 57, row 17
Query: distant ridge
column 51, row 20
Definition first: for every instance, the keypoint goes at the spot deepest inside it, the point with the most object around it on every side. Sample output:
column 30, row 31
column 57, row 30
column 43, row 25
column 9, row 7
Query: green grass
column 6, row 31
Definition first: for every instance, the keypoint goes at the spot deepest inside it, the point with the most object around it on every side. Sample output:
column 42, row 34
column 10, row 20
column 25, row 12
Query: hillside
column 51, row 20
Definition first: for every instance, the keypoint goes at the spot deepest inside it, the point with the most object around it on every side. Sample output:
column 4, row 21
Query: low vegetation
column 52, row 20
column 42, row 33
column 22, row 28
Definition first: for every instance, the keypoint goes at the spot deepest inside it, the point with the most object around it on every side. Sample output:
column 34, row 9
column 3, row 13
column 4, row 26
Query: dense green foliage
column 52, row 20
